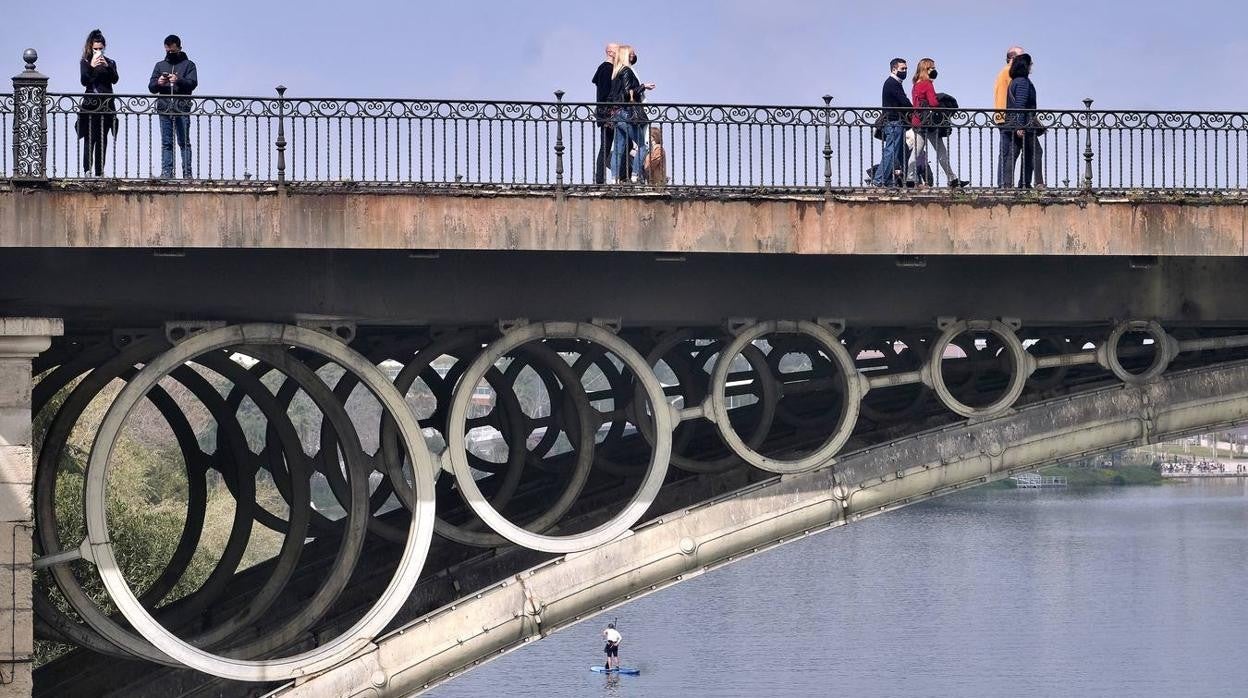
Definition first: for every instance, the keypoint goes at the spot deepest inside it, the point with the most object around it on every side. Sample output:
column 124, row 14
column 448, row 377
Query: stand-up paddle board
column 622, row 670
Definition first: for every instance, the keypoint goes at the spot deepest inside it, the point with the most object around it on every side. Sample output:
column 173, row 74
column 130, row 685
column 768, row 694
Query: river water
column 1134, row 591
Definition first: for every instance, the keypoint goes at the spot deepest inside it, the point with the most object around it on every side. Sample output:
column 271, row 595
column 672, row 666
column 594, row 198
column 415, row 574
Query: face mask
column 931, row 74
column 901, row 75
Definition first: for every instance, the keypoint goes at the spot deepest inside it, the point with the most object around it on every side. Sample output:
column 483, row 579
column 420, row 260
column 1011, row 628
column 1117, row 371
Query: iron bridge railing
column 557, row 144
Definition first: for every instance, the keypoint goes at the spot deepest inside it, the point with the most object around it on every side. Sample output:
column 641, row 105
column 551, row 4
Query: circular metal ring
column 1166, row 348
column 1023, row 362
column 414, row 552
column 518, row 455
column 854, row 387
column 664, row 422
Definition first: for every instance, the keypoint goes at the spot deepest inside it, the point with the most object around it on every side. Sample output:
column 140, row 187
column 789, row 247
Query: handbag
column 877, row 127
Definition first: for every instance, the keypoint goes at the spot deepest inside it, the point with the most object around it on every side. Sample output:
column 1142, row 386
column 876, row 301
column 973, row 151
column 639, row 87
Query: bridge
column 433, row 393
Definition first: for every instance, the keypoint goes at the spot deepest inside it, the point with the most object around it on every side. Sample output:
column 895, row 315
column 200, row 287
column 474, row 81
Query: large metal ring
column 853, row 384
column 664, row 422
column 1167, row 348
column 1023, row 362
column 414, row 552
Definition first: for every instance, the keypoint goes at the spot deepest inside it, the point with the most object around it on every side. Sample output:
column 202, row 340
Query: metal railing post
column 1087, row 147
column 827, row 146
column 30, row 122
column 559, row 142
column 281, row 135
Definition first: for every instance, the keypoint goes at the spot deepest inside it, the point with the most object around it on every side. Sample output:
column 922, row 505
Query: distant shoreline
column 1127, row 475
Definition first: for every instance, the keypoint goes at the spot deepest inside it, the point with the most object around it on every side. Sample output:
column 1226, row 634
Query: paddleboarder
column 612, row 649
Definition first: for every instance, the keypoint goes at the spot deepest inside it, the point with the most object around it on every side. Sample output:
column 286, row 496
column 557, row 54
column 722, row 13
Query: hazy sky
column 1141, row 54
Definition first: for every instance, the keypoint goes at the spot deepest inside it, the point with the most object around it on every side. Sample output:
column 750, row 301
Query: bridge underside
column 104, row 289
column 609, row 497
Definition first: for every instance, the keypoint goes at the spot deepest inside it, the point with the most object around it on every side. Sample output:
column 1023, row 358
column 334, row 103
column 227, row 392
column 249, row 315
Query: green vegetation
column 1137, row 466
column 146, row 507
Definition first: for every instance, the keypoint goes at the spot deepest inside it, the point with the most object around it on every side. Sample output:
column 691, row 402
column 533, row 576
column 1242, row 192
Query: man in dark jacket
column 896, row 113
column 175, row 75
column 602, row 85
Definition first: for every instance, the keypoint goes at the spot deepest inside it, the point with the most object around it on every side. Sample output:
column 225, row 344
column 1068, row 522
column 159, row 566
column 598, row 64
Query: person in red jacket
column 925, row 131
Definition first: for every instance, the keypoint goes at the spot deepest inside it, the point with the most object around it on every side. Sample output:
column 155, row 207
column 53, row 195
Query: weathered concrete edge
column 344, row 219
column 676, row 547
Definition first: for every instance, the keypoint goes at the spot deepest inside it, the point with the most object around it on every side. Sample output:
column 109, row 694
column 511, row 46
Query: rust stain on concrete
column 223, row 217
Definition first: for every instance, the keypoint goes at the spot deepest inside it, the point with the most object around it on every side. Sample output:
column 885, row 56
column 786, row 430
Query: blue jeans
column 172, row 125
column 626, row 132
column 890, row 161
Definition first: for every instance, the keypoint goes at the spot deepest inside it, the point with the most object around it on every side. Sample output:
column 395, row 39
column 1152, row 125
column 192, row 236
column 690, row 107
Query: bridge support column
column 21, row 339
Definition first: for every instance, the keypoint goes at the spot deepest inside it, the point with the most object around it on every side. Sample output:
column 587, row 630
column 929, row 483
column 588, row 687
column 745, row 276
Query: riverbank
column 1096, row 477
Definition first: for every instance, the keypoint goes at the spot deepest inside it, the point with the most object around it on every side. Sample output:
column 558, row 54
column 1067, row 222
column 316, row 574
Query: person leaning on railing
column 96, row 115
column 174, row 75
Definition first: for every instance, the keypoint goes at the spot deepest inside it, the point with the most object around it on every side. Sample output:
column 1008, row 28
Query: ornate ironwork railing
column 6, row 134
column 561, row 145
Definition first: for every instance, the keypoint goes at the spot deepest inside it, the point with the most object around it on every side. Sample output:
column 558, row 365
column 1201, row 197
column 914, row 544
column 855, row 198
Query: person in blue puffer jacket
column 1020, row 106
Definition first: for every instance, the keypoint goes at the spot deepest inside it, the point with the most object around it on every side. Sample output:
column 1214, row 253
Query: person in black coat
column 96, row 115
column 625, row 95
column 602, row 113
column 1020, row 118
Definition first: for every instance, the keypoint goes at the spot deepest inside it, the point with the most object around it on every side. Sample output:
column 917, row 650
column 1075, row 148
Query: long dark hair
column 94, row 36
column 1021, row 66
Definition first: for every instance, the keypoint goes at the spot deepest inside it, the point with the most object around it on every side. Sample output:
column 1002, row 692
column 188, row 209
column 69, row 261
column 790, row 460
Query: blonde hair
column 920, row 73
column 623, row 56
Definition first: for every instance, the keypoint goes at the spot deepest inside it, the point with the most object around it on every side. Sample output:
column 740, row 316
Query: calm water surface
column 1111, row 592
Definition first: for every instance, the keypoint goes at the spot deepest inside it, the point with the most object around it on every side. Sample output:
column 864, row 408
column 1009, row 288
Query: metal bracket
column 506, row 326
column 535, row 607
column 835, row 325
column 736, row 325
column 943, row 322
column 179, row 331
column 610, row 324
column 126, row 336
column 1013, row 323
column 341, row 330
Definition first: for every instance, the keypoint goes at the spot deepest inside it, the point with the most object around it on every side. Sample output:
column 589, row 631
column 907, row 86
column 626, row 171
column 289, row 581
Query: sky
column 1142, row 54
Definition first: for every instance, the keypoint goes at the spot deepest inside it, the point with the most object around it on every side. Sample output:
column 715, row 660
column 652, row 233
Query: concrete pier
column 21, row 339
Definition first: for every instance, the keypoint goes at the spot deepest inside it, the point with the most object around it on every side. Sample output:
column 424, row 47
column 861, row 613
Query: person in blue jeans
column 896, row 112
column 177, row 77
column 626, row 97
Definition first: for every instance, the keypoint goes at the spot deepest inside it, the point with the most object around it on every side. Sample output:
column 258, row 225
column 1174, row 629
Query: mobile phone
column 97, row 53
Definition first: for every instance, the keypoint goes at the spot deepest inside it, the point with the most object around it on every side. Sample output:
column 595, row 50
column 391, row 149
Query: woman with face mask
column 1020, row 104
column 96, row 115
column 927, row 129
